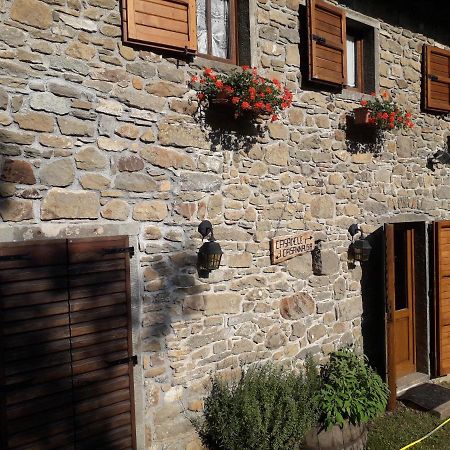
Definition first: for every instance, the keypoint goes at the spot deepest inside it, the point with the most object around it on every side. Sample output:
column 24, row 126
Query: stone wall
column 94, row 131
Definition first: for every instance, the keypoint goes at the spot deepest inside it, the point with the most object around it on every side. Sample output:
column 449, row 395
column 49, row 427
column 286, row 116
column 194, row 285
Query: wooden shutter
column 99, row 292
column 442, row 296
column 436, row 81
column 35, row 369
column 166, row 24
column 327, row 43
column 66, row 371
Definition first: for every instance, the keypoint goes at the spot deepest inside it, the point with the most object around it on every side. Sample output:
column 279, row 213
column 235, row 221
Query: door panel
column 35, row 366
column 66, row 379
column 405, row 359
column 101, row 341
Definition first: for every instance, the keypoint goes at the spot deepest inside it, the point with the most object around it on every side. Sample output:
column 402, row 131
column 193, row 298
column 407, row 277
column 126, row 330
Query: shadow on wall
column 362, row 138
column 373, row 300
column 226, row 132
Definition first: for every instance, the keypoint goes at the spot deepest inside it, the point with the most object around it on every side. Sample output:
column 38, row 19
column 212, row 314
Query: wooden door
column 66, row 375
column 400, row 305
column 442, row 296
column 404, row 306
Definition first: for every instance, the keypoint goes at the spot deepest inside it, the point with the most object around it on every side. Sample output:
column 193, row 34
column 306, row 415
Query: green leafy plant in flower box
column 350, row 390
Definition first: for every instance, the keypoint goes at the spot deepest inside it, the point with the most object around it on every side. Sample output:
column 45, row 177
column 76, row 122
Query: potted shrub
column 383, row 113
column 350, row 395
column 268, row 408
column 244, row 91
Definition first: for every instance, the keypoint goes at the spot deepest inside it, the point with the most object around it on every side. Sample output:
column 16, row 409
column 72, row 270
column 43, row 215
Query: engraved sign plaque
column 283, row 248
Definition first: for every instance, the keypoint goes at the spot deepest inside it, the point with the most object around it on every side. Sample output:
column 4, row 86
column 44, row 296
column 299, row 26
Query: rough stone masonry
column 92, row 131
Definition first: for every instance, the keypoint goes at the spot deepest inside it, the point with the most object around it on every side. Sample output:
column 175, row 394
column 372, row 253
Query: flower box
column 246, row 92
column 361, row 116
column 383, row 113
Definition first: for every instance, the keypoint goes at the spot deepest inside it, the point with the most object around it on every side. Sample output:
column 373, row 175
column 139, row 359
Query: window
column 354, row 63
column 436, row 79
column 341, row 50
column 216, row 29
column 209, row 28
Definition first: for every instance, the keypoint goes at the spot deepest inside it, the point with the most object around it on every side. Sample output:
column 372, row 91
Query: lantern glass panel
column 362, row 249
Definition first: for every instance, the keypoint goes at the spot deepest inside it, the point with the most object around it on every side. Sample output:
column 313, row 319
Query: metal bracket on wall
column 112, row 251
column 319, row 39
column 132, row 359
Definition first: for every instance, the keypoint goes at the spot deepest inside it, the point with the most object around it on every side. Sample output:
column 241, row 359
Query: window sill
column 220, row 66
column 348, row 94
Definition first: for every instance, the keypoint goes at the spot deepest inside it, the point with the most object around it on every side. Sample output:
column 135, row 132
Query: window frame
column 233, row 42
column 359, row 61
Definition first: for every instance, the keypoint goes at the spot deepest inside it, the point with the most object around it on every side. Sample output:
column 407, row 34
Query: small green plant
column 351, row 390
column 267, row 409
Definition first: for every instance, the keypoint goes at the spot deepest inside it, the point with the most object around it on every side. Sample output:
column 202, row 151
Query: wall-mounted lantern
column 210, row 253
column 360, row 248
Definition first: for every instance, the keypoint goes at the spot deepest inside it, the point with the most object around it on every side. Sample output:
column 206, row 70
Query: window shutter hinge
column 14, row 257
column 319, row 39
column 112, row 251
column 133, row 359
column 433, row 77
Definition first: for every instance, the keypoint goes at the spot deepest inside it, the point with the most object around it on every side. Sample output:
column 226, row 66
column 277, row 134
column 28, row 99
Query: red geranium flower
column 274, row 118
column 246, row 105
column 235, row 100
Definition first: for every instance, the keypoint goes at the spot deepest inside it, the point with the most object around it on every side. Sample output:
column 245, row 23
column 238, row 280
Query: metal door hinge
column 133, row 359
column 388, row 312
column 319, row 39
column 112, row 251
column 14, row 257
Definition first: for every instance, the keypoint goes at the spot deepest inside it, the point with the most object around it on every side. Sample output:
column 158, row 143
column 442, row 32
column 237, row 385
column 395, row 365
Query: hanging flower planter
column 383, row 113
column 361, row 116
column 244, row 92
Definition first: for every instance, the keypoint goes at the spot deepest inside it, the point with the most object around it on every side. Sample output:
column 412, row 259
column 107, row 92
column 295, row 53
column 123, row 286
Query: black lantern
column 360, row 248
column 210, row 253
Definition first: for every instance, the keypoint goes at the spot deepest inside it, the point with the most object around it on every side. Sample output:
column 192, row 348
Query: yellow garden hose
column 426, row 436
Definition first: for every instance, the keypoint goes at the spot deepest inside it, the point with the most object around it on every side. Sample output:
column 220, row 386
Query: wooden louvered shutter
column 99, row 297
column 166, row 24
column 35, row 363
column 436, row 81
column 66, row 365
column 327, row 43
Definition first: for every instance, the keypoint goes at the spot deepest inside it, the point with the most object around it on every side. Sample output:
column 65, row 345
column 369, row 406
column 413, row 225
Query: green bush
column 267, row 409
column 350, row 390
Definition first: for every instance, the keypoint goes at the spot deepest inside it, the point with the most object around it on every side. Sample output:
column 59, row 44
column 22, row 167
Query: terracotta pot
column 361, row 116
column 349, row 437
